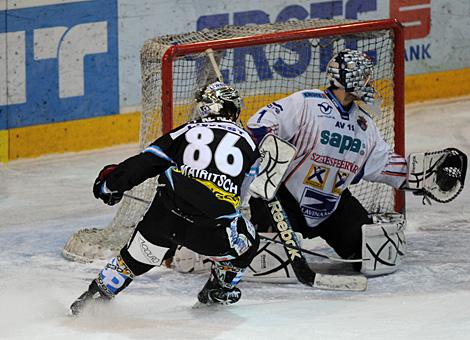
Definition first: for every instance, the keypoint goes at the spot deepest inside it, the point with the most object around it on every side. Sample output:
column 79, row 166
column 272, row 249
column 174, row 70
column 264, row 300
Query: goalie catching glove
column 101, row 191
column 437, row 175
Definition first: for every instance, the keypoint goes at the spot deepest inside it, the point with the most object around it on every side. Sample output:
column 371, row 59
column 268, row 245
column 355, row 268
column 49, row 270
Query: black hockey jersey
column 204, row 162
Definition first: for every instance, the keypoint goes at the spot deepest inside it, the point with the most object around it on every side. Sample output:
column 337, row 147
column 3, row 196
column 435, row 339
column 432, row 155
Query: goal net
column 265, row 63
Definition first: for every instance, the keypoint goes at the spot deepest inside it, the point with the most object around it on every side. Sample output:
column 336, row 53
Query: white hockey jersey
column 334, row 149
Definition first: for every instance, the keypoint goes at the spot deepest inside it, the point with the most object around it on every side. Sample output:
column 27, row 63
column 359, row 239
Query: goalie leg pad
column 383, row 244
column 187, row 261
column 271, row 263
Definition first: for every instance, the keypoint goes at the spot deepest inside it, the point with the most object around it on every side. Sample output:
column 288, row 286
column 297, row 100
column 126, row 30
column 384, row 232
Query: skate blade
column 200, row 305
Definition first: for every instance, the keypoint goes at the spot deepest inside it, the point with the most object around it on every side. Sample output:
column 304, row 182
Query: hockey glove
column 438, row 175
column 101, row 191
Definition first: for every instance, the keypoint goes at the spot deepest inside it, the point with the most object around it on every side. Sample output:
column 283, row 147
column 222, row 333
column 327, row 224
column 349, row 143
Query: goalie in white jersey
column 338, row 144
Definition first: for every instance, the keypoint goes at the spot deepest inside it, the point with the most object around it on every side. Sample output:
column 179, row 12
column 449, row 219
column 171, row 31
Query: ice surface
column 44, row 200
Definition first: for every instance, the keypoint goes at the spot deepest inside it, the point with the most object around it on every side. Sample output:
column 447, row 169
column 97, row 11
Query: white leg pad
column 271, row 264
column 187, row 261
column 383, row 244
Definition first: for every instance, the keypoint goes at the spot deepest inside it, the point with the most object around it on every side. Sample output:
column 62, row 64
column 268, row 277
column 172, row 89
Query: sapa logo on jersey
column 61, row 61
column 342, row 142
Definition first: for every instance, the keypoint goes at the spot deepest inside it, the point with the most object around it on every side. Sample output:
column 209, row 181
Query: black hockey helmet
column 218, row 99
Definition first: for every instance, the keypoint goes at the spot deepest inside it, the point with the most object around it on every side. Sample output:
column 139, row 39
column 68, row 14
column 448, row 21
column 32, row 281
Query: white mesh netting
column 262, row 73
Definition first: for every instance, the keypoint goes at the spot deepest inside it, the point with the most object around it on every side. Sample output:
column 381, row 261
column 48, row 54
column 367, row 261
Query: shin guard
column 114, row 277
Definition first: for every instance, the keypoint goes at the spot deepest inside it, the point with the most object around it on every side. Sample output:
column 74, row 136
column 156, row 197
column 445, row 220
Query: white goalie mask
column 218, row 99
column 352, row 71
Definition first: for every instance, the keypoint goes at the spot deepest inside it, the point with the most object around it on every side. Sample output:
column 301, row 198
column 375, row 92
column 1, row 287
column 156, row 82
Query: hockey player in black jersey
column 204, row 168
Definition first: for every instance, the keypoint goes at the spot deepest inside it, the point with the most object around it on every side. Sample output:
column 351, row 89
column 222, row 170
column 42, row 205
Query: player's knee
column 244, row 241
column 138, row 268
column 141, row 255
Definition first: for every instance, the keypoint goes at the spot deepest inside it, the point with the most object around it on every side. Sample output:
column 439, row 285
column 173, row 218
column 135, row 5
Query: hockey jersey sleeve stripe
column 311, row 140
column 155, row 150
column 169, row 176
column 296, row 168
column 391, row 173
column 299, row 131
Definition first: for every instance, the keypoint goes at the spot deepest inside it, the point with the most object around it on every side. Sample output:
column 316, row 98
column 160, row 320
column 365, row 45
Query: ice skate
column 213, row 292
column 92, row 295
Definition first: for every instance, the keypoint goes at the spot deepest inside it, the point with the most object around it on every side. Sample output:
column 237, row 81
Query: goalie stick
column 299, row 264
column 306, row 251
column 277, row 155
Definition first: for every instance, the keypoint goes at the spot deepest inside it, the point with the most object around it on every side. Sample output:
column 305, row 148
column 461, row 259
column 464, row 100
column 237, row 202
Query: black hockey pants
column 171, row 221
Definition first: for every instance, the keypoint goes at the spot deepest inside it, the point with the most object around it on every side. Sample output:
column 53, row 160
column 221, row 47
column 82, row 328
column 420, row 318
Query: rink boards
column 70, row 71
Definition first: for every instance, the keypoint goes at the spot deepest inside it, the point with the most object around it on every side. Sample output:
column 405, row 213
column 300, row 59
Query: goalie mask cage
column 265, row 63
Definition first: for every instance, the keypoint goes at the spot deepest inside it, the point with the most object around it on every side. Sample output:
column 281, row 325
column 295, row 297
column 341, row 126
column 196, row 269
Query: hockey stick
column 215, row 67
column 136, row 198
column 299, row 264
column 306, row 251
